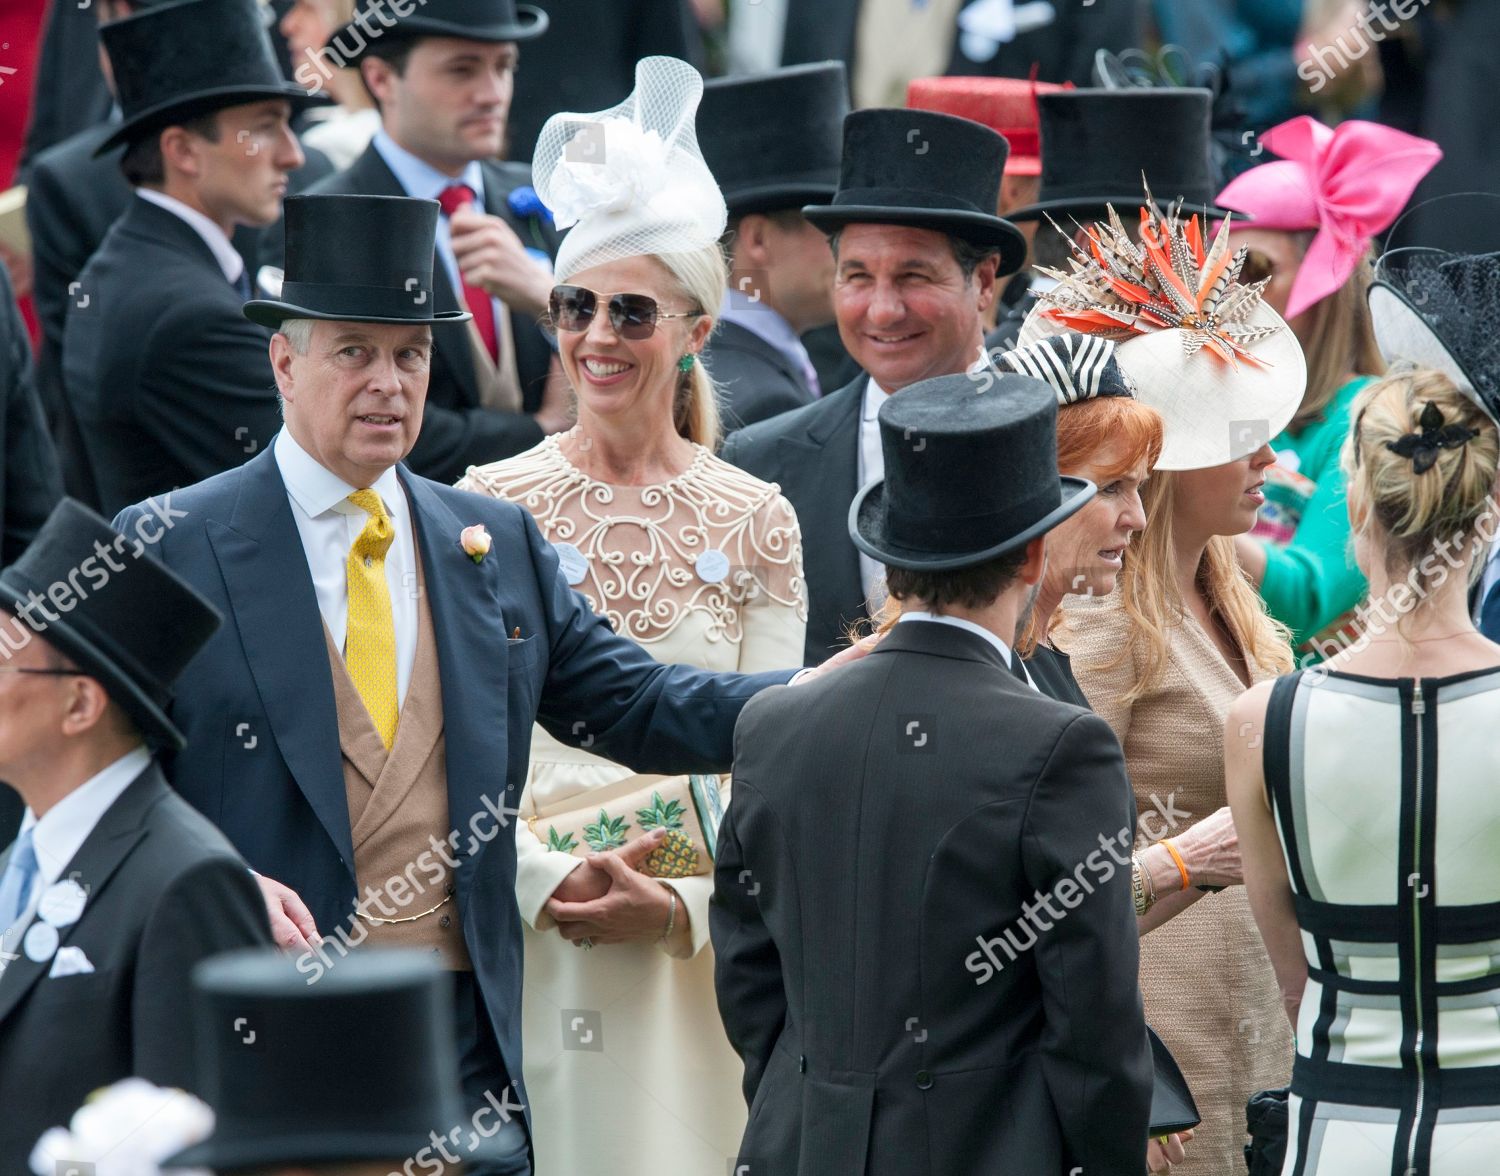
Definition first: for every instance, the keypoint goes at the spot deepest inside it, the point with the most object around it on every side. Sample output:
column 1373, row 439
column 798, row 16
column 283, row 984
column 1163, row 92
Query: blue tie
column 1489, row 613
column 15, row 885
column 242, row 284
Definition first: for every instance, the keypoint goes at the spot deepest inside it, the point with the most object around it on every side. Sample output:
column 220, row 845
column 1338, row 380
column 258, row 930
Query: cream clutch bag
column 687, row 807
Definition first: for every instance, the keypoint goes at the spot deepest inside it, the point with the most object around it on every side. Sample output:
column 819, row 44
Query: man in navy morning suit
column 282, row 755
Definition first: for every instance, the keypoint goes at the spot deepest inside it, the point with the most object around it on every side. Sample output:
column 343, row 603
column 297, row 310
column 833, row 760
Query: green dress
column 1311, row 583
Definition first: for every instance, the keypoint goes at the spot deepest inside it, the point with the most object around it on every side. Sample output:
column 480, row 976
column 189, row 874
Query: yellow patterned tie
column 370, row 645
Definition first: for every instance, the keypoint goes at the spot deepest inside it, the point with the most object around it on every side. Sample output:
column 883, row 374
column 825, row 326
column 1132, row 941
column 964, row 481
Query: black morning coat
column 164, row 889
column 898, row 1012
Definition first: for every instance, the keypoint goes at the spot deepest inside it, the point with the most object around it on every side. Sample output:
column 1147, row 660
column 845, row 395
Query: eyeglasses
column 633, row 316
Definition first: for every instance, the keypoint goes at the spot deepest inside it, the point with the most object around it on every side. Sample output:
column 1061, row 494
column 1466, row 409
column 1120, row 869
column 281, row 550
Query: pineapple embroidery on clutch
column 605, row 833
column 686, row 809
column 677, row 856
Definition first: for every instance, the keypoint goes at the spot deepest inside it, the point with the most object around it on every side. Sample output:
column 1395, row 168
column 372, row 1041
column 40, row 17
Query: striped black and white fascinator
column 1078, row 367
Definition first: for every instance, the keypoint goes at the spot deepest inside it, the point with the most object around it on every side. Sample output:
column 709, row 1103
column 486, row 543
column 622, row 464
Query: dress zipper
column 1418, row 709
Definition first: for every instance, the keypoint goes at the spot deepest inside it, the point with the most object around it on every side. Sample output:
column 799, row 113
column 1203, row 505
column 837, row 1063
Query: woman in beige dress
column 1163, row 655
column 627, row 1066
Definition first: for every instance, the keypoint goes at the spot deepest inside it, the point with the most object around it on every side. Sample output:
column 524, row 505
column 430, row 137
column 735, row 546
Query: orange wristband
column 1181, row 865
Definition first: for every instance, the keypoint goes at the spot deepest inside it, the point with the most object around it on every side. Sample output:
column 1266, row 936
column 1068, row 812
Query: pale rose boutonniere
column 475, row 541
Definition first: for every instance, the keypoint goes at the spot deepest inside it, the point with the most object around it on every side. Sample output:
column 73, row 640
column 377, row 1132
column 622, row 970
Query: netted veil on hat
column 630, row 180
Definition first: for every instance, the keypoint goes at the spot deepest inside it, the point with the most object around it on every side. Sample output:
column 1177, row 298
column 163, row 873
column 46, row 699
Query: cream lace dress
column 627, row 1067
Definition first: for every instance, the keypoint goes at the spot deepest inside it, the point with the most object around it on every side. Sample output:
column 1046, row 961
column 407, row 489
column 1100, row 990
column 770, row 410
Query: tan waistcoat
column 397, row 801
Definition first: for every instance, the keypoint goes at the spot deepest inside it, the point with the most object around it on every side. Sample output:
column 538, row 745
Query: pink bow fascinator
column 1349, row 183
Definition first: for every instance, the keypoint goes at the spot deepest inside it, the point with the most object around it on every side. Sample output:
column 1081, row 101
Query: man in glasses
column 361, row 729
column 442, row 78
column 917, row 248
column 115, row 887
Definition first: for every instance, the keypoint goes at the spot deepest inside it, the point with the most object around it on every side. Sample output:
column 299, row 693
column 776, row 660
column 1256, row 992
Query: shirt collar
column 760, row 320
column 224, row 253
column 419, row 178
column 315, row 489
column 61, row 831
column 960, row 623
column 875, row 396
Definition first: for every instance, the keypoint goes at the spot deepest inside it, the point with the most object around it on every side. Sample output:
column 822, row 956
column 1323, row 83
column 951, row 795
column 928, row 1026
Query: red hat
column 1007, row 105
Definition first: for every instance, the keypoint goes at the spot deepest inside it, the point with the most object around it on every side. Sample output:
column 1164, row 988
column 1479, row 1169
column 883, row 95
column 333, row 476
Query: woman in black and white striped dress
column 1366, row 793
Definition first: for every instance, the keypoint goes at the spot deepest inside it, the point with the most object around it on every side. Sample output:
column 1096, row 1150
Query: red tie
column 452, row 198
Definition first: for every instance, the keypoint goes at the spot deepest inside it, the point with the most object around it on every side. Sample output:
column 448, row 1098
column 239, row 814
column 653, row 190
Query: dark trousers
column 487, row 1092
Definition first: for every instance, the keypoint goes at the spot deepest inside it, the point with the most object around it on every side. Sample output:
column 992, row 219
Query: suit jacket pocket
column 836, row 1117
column 522, row 652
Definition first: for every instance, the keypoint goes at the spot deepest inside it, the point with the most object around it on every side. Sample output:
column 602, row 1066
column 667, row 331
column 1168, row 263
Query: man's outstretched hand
column 292, row 923
column 842, row 658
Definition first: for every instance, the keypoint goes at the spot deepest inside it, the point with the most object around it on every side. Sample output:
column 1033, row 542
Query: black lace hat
column 1440, row 310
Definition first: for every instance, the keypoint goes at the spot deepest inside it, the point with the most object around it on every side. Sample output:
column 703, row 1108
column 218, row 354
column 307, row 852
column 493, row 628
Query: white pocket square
column 70, row 961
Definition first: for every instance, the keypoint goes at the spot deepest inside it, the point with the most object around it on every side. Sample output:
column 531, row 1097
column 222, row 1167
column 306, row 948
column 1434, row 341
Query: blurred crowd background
column 1423, row 66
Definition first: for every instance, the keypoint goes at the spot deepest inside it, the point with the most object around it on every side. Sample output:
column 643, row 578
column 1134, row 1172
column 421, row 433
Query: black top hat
column 774, row 140
column 1096, row 145
column 970, row 473
column 933, row 171
column 357, row 1063
column 469, row 20
column 1440, row 310
column 333, row 273
column 121, row 616
column 174, row 62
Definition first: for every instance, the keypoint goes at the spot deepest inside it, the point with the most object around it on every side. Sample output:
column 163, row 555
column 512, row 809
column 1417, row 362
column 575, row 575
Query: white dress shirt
column 871, row 467
column 61, row 831
column 970, row 626
column 328, row 524
column 768, row 325
column 224, row 253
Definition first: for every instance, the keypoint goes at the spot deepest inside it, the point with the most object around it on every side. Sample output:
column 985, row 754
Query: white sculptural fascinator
column 630, row 180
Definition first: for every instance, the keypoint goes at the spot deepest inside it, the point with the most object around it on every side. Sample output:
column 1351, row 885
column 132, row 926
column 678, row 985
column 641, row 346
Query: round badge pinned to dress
column 575, row 565
column 40, row 944
column 712, row 566
column 62, row 903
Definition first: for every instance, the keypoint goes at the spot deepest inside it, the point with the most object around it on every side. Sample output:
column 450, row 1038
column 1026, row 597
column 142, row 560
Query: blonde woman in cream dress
column 627, row 1069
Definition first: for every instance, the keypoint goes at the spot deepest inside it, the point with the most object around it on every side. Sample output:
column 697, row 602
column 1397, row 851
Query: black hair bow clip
column 1422, row 448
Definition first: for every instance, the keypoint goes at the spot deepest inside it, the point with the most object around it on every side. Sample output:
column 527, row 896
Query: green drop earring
column 685, row 364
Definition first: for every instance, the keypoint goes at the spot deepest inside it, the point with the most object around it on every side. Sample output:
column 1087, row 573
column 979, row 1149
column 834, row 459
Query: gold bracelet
column 1137, row 887
column 1150, row 885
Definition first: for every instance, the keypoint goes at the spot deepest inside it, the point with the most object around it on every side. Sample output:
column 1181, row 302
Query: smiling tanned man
column 916, row 260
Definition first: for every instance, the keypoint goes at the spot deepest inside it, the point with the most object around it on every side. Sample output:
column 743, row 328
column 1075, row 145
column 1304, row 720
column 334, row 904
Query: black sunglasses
column 633, row 316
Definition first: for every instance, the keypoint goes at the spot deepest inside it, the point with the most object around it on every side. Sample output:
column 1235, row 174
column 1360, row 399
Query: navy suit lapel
column 281, row 631
column 118, row 832
column 473, row 656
